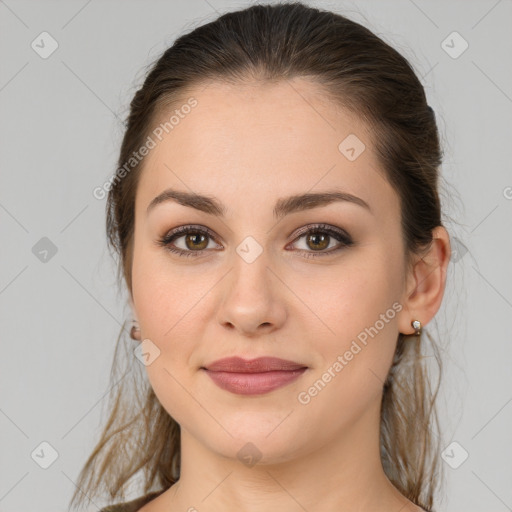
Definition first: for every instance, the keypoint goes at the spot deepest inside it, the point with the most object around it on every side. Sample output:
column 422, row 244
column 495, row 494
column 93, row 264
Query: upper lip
column 258, row 365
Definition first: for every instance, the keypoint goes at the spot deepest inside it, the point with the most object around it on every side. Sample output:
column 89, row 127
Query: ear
column 135, row 328
column 426, row 283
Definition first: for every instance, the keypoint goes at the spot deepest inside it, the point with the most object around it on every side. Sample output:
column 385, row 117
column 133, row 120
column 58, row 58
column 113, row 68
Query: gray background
column 59, row 136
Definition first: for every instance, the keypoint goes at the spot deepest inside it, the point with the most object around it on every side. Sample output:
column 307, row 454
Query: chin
column 254, row 438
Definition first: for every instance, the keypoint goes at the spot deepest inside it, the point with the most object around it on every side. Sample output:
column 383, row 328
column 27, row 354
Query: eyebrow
column 283, row 206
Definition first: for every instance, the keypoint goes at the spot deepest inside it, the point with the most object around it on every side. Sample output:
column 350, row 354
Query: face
column 319, row 285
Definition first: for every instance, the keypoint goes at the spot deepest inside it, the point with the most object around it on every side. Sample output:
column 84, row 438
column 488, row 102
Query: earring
column 416, row 324
column 135, row 331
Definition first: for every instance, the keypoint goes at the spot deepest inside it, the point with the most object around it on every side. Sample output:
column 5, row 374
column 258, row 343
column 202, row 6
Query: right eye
column 195, row 240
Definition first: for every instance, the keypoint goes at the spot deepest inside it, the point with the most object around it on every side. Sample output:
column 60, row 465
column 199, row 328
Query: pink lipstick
column 254, row 376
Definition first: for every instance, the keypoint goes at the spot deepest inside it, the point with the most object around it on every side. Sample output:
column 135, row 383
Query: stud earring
column 135, row 331
column 416, row 324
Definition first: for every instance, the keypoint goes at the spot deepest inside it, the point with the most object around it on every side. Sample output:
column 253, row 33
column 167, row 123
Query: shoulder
column 133, row 505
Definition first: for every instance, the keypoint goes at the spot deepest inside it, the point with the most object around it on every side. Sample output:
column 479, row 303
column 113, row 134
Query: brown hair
column 358, row 71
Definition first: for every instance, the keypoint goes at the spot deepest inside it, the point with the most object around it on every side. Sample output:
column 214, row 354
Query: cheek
column 356, row 309
column 162, row 295
column 360, row 308
column 164, row 303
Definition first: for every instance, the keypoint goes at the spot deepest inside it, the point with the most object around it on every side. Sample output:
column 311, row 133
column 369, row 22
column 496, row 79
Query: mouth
column 253, row 377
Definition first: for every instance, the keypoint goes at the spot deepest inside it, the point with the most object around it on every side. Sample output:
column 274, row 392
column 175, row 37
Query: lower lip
column 254, row 383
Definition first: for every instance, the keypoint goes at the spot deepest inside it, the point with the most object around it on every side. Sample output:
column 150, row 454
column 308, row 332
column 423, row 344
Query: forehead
column 262, row 138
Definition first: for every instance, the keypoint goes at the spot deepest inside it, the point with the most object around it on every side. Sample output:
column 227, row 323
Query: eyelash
column 338, row 234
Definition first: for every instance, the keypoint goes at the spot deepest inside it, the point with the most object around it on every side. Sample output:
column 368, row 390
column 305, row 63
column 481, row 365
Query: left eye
column 196, row 240
column 319, row 236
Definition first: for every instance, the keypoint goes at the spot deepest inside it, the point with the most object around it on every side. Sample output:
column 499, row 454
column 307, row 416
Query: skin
column 248, row 146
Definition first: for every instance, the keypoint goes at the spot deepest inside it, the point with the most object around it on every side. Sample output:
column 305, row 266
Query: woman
column 278, row 222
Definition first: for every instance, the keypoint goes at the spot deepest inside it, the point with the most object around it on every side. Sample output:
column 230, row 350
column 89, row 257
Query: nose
column 252, row 298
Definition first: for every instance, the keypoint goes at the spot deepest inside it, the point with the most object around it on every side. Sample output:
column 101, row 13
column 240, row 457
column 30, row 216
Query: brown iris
column 324, row 240
column 196, row 240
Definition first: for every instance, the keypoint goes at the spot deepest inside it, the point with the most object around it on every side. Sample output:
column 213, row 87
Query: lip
column 258, row 365
column 254, row 376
